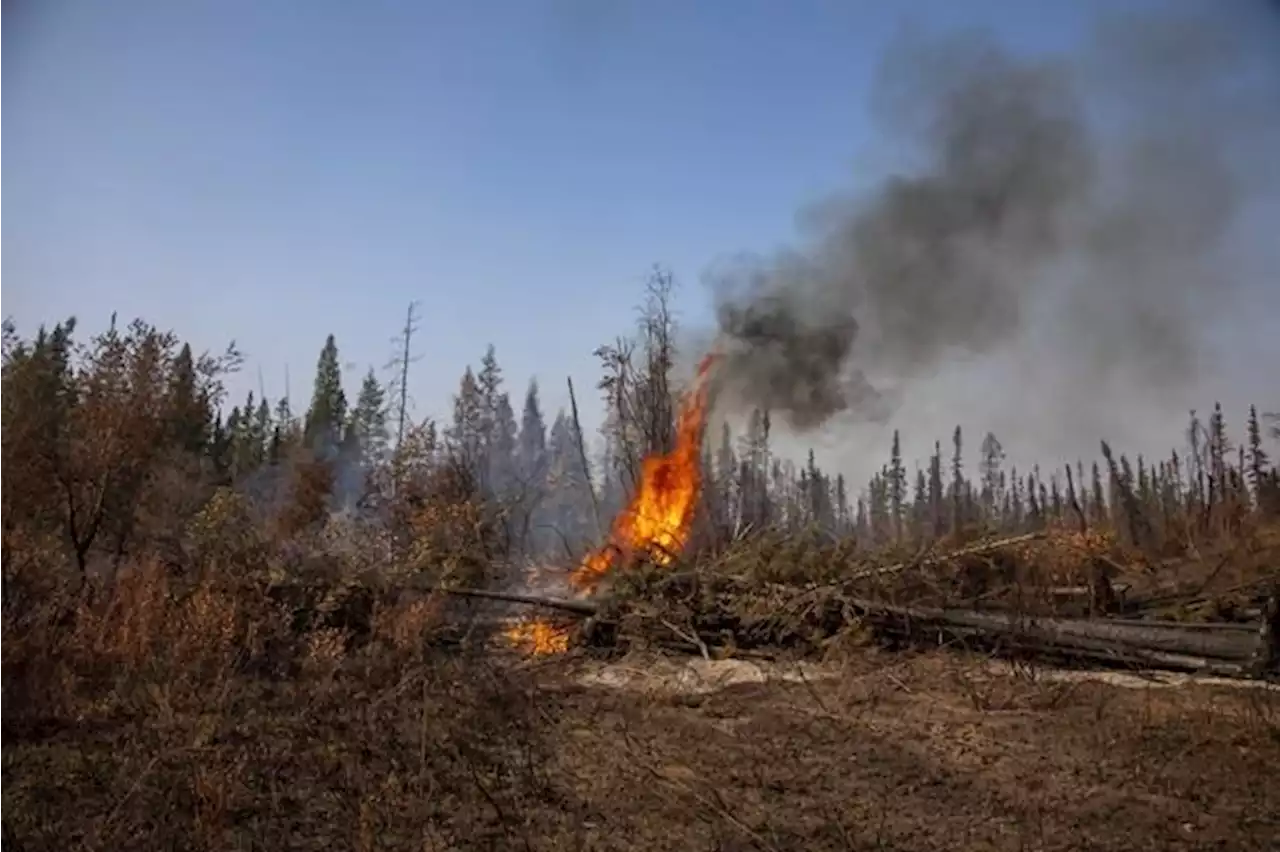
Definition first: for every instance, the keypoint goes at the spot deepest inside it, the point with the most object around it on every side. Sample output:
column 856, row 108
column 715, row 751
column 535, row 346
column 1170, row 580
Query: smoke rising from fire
column 1080, row 205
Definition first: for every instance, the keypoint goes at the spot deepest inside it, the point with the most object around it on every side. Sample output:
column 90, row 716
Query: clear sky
column 275, row 171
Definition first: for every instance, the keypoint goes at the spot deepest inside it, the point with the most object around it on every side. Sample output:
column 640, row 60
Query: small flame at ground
column 538, row 637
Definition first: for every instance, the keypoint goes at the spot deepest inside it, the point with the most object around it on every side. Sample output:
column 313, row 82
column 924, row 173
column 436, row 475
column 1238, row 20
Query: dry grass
column 199, row 718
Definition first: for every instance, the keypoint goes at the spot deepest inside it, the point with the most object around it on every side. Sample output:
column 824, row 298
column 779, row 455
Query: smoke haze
column 1079, row 225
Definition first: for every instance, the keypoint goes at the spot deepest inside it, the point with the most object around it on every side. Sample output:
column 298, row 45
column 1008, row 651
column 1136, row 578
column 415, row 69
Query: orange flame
column 659, row 518
column 656, row 522
column 538, row 637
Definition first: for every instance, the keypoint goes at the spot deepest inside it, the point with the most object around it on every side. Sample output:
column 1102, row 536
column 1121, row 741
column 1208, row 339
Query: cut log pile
column 931, row 601
column 1222, row 649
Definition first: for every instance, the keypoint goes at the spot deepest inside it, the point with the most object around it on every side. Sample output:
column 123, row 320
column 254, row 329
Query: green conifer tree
column 323, row 428
column 368, row 426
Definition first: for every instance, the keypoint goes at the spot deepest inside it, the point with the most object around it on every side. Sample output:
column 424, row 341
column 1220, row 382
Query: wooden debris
column 707, row 613
column 560, row 604
column 1089, row 638
column 939, row 558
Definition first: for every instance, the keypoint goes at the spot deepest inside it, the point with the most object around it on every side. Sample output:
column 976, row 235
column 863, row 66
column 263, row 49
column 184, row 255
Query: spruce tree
column 815, row 491
column 920, row 505
column 1196, row 465
column 897, row 486
column 1017, row 506
column 275, row 449
column 263, row 428
column 568, row 502
column 992, row 457
column 533, row 437
column 465, row 436
column 502, row 447
column 189, row 414
column 1098, row 499
column 957, row 481
column 287, row 432
column 842, row 505
column 328, row 412
column 1257, row 457
column 936, row 491
column 248, row 444
column 489, row 382
column 219, row 448
column 368, row 424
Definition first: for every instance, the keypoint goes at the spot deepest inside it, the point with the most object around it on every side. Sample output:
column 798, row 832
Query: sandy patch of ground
column 698, row 676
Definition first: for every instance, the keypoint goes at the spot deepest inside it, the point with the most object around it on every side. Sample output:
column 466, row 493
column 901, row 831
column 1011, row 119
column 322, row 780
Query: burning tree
column 659, row 518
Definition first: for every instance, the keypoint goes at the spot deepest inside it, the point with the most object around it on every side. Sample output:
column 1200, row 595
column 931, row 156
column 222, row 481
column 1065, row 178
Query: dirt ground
column 926, row 752
column 886, row 751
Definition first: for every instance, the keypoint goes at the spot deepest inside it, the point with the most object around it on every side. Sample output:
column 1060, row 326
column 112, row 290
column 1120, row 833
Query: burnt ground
column 932, row 753
column 906, row 752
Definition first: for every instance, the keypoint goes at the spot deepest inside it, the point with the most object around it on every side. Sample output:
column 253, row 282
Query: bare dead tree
column 637, row 382
column 657, row 332
column 400, row 363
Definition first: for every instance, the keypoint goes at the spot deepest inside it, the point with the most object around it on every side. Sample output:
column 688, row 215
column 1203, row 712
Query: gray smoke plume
column 1096, row 190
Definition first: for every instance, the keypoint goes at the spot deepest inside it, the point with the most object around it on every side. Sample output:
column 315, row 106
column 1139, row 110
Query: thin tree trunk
column 582, row 454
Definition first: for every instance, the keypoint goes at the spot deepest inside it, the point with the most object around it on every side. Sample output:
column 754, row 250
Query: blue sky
column 274, row 171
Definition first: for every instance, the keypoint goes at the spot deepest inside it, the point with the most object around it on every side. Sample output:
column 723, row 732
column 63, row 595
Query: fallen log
column 1071, row 650
column 1237, row 626
column 1224, row 649
column 1086, row 650
column 559, row 604
column 1120, row 589
column 1233, row 645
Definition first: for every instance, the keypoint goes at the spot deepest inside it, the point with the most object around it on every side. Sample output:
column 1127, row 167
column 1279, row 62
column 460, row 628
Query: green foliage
column 327, row 414
column 369, row 421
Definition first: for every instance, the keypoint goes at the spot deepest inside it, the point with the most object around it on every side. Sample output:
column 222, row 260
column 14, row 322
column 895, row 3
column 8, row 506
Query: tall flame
column 659, row 518
column 656, row 522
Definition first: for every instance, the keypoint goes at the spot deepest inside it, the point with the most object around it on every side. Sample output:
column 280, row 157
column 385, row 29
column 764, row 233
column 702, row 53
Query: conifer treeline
column 115, row 441
column 1207, row 488
column 1150, row 503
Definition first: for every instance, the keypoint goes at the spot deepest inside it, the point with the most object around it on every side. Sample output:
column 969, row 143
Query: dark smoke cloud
column 789, row 348
column 1097, row 188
